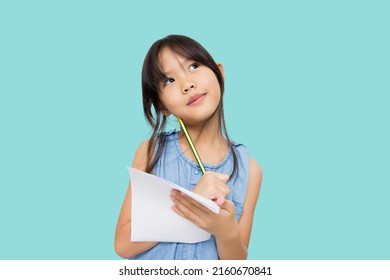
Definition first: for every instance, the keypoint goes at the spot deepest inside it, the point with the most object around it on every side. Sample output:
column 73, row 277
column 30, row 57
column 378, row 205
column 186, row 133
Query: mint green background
column 307, row 91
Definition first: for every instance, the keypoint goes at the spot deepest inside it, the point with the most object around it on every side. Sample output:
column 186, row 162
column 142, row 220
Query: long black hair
column 152, row 76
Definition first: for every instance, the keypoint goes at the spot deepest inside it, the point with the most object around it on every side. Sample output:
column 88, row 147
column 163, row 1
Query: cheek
column 212, row 81
column 216, row 87
column 170, row 102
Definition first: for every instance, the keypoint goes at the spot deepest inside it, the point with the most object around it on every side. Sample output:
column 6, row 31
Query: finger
column 191, row 204
column 221, row 176
column 188, row 213
column 220, row 200
column 228, row 205
column 216, row 188
column 224, row 189
column 174, row 192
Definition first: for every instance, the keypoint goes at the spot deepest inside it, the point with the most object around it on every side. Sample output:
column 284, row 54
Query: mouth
column 196, row 99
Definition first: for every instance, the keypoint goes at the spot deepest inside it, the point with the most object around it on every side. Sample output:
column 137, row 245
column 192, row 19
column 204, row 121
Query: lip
column 196, row 99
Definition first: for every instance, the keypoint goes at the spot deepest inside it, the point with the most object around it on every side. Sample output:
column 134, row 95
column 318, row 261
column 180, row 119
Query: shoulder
column 255, row 170
column 254, row 183
column 241, row 151
column 252, row 195
column 238, row 145
column 140, row 157
column 141, row 154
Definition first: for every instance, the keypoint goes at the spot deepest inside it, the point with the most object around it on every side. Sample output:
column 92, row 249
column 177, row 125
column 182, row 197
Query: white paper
column 152, row 218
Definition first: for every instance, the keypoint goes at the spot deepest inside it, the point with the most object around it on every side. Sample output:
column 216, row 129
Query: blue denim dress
column 177, row 168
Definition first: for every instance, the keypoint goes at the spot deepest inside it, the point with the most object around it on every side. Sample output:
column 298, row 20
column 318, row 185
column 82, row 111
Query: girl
column 179, row 77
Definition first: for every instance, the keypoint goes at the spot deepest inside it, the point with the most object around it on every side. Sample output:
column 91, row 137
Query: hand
column 213, row 186
column 222, row 225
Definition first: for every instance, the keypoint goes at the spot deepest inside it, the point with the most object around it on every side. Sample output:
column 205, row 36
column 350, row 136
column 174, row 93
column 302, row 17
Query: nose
column 188, row 86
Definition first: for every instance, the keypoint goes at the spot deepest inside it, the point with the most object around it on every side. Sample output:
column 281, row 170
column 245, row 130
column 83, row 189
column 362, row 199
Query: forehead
column 170, row 60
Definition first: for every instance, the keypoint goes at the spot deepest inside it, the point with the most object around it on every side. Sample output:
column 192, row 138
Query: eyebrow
column 186, row 60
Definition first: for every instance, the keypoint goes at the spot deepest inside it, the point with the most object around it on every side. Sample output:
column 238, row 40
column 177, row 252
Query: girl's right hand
column 213, row 186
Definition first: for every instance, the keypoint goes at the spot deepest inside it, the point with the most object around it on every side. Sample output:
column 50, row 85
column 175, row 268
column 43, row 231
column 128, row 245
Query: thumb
column 228, row 205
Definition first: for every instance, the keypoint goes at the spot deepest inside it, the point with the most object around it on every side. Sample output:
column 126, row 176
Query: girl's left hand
column 222, row 225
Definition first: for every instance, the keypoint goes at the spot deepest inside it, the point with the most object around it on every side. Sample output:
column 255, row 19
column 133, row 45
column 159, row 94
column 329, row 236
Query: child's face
column 191, row 92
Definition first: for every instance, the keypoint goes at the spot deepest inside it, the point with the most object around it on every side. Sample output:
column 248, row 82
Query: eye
column 169, row 81
column 193, row 66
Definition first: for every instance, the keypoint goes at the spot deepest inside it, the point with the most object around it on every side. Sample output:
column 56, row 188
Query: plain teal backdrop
column 307, row 91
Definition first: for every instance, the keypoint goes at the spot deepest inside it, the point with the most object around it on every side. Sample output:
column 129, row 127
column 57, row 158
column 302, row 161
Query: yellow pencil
column 189, row 140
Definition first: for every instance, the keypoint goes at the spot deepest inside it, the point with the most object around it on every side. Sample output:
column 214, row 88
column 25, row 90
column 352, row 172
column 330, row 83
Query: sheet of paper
column 152, row 218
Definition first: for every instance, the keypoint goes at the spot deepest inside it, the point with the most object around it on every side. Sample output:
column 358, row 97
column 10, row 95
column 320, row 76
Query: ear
column 164, row 111
column 221, row 69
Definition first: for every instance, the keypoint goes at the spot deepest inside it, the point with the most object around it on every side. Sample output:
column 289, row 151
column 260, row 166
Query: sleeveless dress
column 176, row 167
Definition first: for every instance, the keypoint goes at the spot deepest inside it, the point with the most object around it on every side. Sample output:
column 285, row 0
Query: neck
column 205, row 133
column 208, row 140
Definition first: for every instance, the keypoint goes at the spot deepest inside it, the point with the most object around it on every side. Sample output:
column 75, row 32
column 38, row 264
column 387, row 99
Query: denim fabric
column 177, row 168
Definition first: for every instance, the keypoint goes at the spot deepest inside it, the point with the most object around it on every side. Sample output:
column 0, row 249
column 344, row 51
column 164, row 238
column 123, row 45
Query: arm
column 236, row 245
column 123, row 246
column 232, row 238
